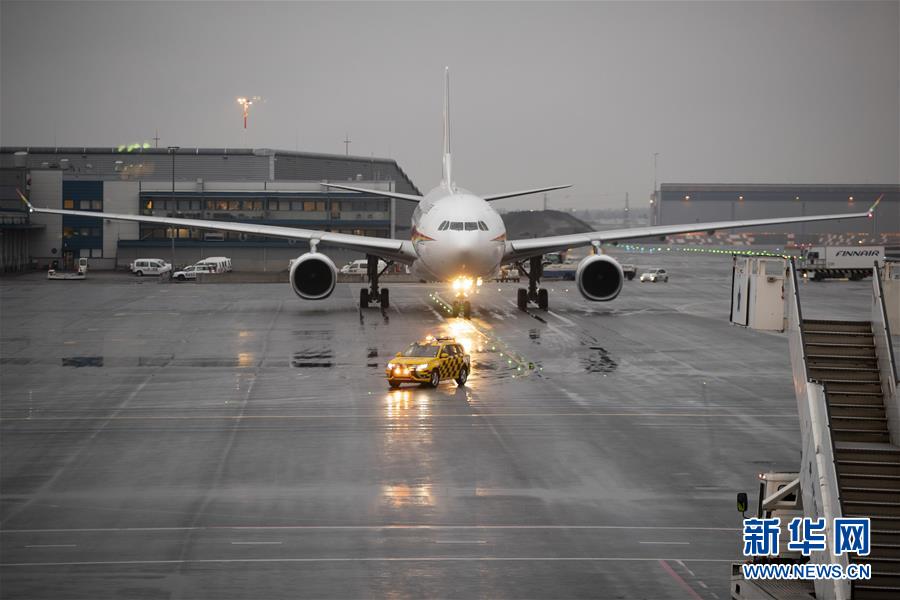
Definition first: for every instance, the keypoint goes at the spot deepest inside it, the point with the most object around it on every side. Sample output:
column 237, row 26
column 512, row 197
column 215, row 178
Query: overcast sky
column 543, row 93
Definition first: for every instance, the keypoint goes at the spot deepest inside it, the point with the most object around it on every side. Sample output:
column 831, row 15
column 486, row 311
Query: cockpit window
column 444, row 226
column 471, row 225
column 482, row 226
column 456, row 226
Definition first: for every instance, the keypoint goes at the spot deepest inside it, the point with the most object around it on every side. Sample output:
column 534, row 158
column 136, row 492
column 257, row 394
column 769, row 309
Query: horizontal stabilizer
column 410, row 197
column 525, row 192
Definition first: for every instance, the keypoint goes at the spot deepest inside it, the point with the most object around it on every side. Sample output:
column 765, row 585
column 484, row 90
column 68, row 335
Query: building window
column 320, row 206
column 309, row 206
column 96, row 252
column 97, row 204
column 68, row 232
column 69, row 203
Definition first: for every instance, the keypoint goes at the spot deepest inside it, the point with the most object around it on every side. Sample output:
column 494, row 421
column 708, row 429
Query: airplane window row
column 463, row 225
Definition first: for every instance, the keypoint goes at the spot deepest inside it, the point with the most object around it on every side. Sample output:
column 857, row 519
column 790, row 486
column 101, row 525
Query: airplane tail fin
column 447, row 165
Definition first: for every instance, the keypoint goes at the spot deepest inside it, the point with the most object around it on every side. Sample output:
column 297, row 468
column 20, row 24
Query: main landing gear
column 373, row 293
column 533, row 294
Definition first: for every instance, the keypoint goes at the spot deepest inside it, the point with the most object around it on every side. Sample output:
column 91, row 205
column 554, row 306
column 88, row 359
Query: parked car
column 629, row 271
column 192, row 271
column 149, row 266
column 358, row 267
column 654, row 275
column 220, row 264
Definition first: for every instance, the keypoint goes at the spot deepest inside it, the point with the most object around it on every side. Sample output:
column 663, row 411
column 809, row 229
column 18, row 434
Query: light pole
column 655, row 208
column 172, row 151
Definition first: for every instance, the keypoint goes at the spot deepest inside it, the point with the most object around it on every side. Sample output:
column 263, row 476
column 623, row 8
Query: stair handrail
column 795, row 304
column 884, row 352
column 878, row 297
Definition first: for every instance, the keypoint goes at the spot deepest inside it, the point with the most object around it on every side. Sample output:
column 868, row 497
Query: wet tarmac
column 232, row 441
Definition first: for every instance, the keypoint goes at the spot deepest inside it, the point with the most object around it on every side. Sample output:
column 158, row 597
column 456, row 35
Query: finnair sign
column 858, row 253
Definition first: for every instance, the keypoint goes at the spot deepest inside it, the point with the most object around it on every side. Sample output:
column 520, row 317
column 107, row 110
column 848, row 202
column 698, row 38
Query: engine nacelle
column 313, row 276
column 599, row 278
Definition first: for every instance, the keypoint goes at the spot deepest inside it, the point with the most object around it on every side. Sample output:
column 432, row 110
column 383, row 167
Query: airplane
column 456, row 237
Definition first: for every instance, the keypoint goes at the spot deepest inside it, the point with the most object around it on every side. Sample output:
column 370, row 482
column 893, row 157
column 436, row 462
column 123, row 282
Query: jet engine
column 599, row 278
column 313, row 276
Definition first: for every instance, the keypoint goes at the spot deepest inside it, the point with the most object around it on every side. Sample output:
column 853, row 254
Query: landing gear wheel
column 393, row 384
column 522, row 298
column 385, row 298
column 543, row 299
column 363, row 298
column 463, row 376
column 435, row 379
column 467, row 309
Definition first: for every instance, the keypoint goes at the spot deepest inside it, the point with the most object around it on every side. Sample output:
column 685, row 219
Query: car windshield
column 421, row 351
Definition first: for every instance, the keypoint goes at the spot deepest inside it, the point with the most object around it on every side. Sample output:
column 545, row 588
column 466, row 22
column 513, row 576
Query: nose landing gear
column 462, row 308
column 539, row 296
column 373, row 293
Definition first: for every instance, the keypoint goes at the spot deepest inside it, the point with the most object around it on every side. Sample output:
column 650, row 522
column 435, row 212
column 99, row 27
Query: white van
column 221, row 264
column 149, row 266
column 358, row 267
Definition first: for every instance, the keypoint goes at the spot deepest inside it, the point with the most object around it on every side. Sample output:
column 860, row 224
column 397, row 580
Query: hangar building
column 259, row 185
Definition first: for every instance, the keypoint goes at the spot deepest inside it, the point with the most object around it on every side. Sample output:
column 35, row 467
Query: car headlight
column 421, row 368
column 390, row 366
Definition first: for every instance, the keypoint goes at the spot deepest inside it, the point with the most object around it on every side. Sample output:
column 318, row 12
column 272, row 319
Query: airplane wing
column 525, row 192
column 521, row 249
column 398, row 250
column 410, row 197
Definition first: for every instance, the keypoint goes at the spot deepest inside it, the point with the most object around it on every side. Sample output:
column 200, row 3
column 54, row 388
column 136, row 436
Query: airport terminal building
column 701, row 202
column 260, row 185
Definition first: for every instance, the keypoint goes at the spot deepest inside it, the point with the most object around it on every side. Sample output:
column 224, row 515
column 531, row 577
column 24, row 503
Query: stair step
column 859, row 424
column 855, row 387
column 818, row 325
column 866, row 591
column 823, row 337
column 860, row 435
column 868, row 467
column 836, row 375
column 860, row 348
column 871, row 508
column 850, row 480
column 889, row 579
column 869, row 494
column 840, row 359
column 839, row 411
column 849, row 396
column 883, row 551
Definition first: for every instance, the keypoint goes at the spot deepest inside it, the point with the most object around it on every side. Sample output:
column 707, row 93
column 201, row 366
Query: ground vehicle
column 219, row 264
column 852, row 262
column 561, row 270
column 79, row 273
column 192, row 271
column 629, row 271
column 149, row 266
column 508, row 273
column 358, row 267
column 654, row 275
column 430, row 361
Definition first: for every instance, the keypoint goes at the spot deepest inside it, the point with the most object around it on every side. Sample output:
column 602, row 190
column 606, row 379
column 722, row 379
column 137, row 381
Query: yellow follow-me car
column 430, row 361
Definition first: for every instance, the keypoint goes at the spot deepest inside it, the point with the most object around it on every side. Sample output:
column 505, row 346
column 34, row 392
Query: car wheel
column 463, row 376
column 393, row 384
column 180, row 278
column 435, row 378
column 140, row 273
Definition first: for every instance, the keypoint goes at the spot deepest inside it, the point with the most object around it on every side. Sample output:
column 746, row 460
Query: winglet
column 25, row 200
column 871, row 210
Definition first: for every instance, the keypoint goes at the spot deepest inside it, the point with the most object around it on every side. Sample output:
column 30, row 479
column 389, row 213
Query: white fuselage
column 456, row 234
